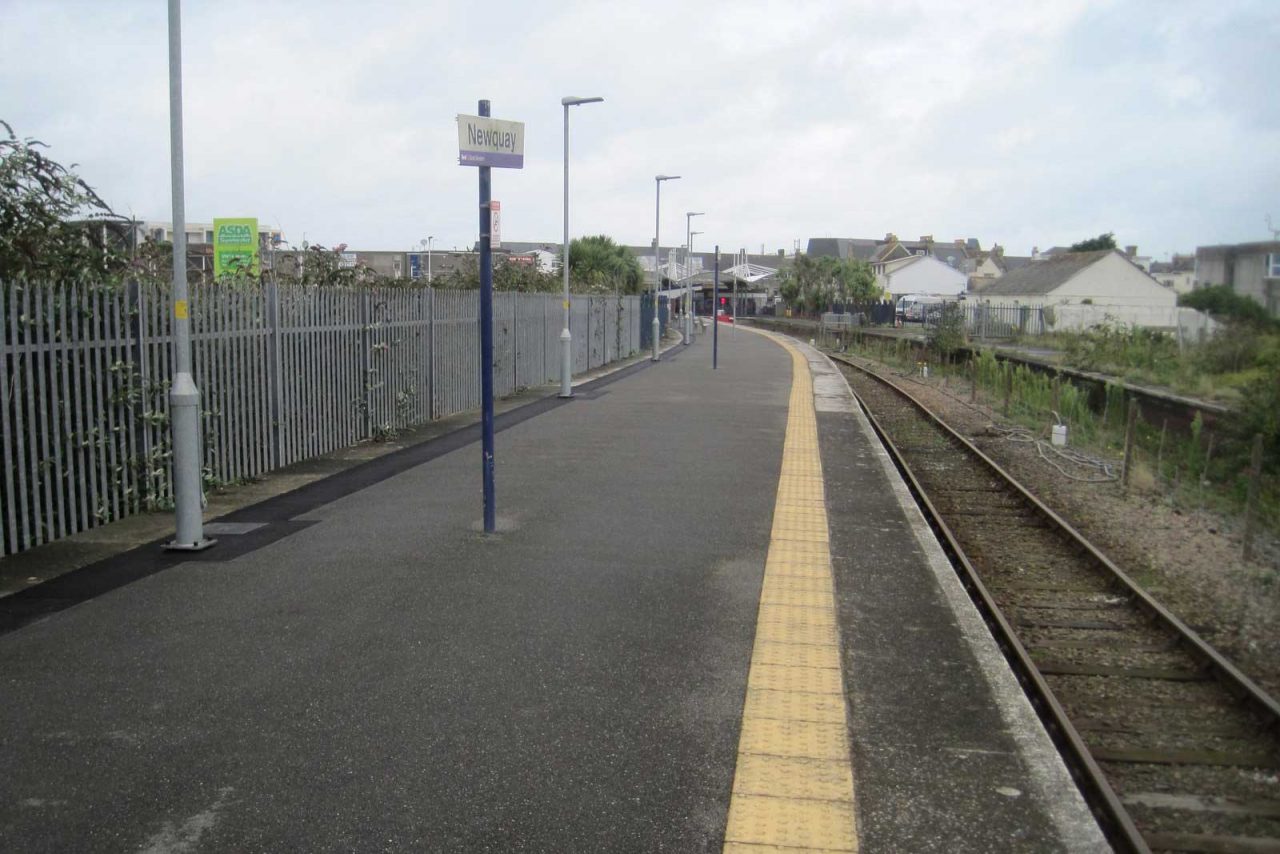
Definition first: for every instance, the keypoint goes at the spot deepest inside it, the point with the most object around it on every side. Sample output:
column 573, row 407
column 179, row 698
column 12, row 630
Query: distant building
column 844, row 248
column 1104, row 278
column 1178, row 273
column 199, row 233
column 1249, row 269
column 961, row 254
column 921, row 274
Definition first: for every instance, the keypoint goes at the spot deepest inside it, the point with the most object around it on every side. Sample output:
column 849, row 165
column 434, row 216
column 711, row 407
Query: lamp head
column 574, row 101
column 665, row 177
column 695, row 213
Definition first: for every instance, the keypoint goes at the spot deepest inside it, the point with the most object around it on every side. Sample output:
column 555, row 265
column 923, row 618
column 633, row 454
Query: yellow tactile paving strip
column 793, row 786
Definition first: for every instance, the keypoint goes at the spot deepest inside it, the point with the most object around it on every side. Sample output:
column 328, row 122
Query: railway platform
column 711, row 619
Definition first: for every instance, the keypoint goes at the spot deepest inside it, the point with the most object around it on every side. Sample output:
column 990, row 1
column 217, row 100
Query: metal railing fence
column 286, row 372
column 982, row 320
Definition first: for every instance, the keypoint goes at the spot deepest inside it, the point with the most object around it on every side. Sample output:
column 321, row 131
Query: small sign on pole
column 495, row 225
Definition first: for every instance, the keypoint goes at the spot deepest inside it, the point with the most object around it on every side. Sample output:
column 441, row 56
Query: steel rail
column 1101, row 796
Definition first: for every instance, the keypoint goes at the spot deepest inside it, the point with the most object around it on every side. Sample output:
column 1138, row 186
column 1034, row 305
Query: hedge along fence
column 286, row 372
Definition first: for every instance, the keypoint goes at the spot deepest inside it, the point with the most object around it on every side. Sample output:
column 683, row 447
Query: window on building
column 1273, row 265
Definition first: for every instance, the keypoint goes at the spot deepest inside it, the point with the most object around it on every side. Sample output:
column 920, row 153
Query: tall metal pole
column 715, row 313
column 184, row 396
column 486, row 342
column 657, row 273
column 429, row 239
column 657, row 251
column 566, row 339
column 688, row 266
column 692, row 235
column 688, row 324
column 737, row 273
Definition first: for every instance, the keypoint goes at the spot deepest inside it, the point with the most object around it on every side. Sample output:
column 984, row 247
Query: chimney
column 926, row 238
column 890, row 237
column 1130, row 252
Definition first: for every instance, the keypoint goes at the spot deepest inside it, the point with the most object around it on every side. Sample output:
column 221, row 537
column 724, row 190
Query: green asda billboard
column 235, row 245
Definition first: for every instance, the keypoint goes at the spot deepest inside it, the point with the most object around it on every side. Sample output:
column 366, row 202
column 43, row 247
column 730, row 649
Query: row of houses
column 1058, row 276
column 962, row 266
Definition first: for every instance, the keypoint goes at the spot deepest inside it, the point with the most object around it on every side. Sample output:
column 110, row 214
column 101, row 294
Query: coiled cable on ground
column 1100, row 471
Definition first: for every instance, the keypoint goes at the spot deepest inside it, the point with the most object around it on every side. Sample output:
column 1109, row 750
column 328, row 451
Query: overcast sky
column 1010, row 121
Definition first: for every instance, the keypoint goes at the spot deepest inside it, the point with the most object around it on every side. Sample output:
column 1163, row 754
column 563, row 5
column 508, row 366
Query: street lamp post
column 184, row 395
column 566, row 339
column 657, row 247
column 688, row 281
column 429, row 239
column 692, row 235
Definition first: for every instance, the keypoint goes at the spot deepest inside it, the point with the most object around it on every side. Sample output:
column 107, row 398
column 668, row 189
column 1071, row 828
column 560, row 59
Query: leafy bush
column 1224, row 303
column 814, row 284
column 1094, row 244
column 40, row 203
column 1235, row 347
column 946, row 335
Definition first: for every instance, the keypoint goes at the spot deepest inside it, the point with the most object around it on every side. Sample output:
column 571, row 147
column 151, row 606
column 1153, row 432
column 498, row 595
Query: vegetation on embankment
column 1200, row 467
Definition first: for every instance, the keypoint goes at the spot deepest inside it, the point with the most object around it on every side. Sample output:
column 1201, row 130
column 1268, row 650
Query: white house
column 1105, row 278
column 921, row 274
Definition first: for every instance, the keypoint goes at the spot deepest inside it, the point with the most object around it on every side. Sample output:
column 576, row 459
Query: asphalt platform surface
column 361, row 669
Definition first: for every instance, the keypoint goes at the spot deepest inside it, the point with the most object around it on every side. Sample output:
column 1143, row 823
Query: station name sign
column 490, row 142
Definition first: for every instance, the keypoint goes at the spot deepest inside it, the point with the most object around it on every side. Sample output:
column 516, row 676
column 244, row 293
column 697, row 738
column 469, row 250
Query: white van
column 912, row 307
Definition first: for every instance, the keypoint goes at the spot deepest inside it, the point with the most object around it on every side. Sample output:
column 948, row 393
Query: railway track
column 1175, row 749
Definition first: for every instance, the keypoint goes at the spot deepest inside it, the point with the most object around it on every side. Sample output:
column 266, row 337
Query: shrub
column 1224, row 303
column 947, row 334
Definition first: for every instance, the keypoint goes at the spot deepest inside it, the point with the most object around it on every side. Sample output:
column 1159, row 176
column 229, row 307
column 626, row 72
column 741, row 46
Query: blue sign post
column 486, row 142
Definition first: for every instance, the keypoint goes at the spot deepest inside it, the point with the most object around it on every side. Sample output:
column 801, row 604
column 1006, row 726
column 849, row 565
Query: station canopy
column 749, row 273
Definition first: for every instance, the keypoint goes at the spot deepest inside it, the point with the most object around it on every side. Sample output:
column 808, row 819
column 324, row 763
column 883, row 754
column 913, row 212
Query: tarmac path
column 378, row 675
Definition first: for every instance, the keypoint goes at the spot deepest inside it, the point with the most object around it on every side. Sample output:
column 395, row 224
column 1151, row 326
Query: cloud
column 1022, row 123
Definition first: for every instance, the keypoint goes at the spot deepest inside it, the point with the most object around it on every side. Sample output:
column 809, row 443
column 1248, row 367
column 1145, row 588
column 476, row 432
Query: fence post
column 973, row 377
column 1008, row 386
column 431, row 353
column 1129, row 431
column 366, row 395
column 1251, row 503
column 8, row 519
column 275, row 386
